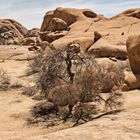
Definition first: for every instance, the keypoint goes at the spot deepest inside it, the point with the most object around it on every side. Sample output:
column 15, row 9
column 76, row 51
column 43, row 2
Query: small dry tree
column 72, row 81
column 55, row 68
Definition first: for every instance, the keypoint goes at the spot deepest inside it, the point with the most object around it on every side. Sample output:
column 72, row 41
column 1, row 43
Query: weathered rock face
column 63, row 19
column 133, row 48
column 66, row 16
column 11, row 31
column 82, row 26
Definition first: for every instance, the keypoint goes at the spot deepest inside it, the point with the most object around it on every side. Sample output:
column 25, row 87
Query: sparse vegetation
column 71, row 81
column 4, row 80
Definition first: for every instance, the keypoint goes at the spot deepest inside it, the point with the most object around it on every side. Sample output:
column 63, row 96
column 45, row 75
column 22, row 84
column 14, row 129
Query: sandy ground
column 15, row 107
column 14, row 110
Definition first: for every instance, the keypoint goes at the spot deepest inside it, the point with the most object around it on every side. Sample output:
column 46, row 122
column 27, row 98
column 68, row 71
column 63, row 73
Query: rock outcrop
column 64, row 17
column 62, row 22
column 82, row 25
column 11, row 31
column 132, row 79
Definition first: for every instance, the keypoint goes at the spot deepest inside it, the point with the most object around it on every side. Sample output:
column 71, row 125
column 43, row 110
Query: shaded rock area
column 57, row 24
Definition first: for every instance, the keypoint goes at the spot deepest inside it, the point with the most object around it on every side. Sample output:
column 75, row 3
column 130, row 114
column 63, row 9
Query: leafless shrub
column 63, row 112
column 35, row 64
column 114, row 99
column 88, row 82
column 4, row 80
column 96, row 79
column 56, row 69
column 63, row 95
column 112, row 75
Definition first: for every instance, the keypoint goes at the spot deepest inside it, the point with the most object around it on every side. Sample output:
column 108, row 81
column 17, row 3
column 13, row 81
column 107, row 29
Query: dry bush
column 54, row 69
column 35, row 64
column 4, row 80
column 63, row 95
column 96, row 80
column 50, row 74
column 112, row 75
column 70, row 81
column 87, row 81
column 64, row 112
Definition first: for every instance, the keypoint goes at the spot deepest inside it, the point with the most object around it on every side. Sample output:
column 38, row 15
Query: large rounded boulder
column 133, row 49
column 103, row 48
column 57, row 24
